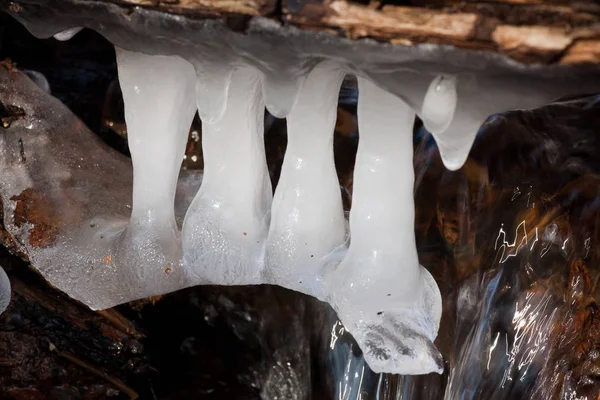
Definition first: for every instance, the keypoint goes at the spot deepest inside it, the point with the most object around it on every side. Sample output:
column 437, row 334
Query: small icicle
column 307, row 218
column 281, row 92
column 67, row 34
column 226, row 225
column 389, row 303
column 212, row 87
column 439, row 104
column 4, row 291
column 159, row 97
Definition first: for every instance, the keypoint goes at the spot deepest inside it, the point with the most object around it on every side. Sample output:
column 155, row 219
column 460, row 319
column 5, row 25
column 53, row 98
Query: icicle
column 439, row 103
column 476, row 99
column 281, row 92
column 389, row 303
column 4, row 291
column 159, row 94
column 67, row 34
column 225, row 227
column 307, row 219
column 212, row 87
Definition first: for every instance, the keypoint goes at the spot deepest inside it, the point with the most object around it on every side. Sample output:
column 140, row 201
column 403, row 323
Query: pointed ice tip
column 453, row 159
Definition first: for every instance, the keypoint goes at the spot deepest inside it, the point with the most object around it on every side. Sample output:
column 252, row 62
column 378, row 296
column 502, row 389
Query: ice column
column 159, row 97
column 4, row 291
column 307, row 219
column 226, row 225
column 389, row 303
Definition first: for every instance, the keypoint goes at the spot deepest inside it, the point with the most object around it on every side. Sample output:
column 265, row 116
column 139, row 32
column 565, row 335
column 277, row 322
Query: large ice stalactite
column 226, row 225
column 307, row 219
column 159, row 96
column 389, row 303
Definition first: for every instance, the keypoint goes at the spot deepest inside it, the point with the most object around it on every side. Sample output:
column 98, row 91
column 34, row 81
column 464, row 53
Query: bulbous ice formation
column 159, row 97
column 439, row 104
column 4, row 291
column 389, row 303
column 226, row 225
column 307, row 218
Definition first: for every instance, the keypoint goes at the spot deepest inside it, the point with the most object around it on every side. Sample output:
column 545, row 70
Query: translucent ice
column 4, row 291
column 389, row 303
column 307, row 219
column 159, row 97
column 226, row 225
column 281, row 92
column 212, row 88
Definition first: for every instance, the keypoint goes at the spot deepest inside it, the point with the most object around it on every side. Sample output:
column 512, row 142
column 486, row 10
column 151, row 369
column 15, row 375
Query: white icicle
column 389, row 303
column 307, row 219
column 159, row 97
column 4, row 290
column 281, row 92
column 67, row 34
column 226, row 225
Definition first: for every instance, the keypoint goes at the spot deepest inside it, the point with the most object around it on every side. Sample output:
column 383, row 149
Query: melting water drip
column 4, row 290
column 159, row 97
column 226, row 225
column 390, row 304
column 307, row 219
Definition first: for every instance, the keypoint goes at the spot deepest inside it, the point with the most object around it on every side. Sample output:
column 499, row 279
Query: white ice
column 4, row 290
column 389, row 303
column 307, row 218
column 281, row 92
column 67, row 34
column 226, row 225
column 439, row 104
column 159, row 97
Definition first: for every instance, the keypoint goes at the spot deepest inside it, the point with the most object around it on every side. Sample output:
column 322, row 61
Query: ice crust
column 112, row 247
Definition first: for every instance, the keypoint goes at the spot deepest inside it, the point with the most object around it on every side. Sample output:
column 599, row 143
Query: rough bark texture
column 528, row 31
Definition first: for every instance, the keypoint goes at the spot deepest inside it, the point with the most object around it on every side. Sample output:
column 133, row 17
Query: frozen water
column 281, row 92
column 67, row 34
column 307, row 219
column 439, row 103
column 4, row 290
column 159, row 97
column 389, row 303
column 212, row 89
column 226, row 225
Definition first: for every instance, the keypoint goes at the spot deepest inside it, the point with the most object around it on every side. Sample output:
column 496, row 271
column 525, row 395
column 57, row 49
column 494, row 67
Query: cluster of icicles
column 236, row 232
